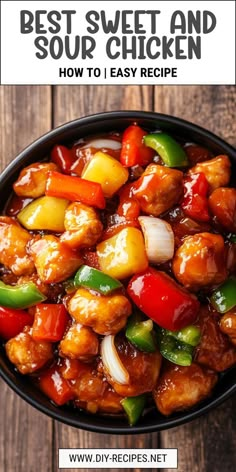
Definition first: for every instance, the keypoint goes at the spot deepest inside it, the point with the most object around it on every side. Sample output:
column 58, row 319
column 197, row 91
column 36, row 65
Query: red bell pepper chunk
column 128, row 206
column 129, row 209
column 195, row 202
column 75, row 189
column 16, row 204
column 163, row 300
column 55, row 386
column 197, row 153
column 62, row 156
column 13, row 321
column 133, row 150
column 50, row 322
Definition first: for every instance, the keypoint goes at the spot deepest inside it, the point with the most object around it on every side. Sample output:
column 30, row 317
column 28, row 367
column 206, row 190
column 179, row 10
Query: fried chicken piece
column 27, row 354
column 222, row 203
column 13, row 247
column 92, row 392
column 214, row 350
column 217, row 171
column 228, row 325
column 158, row 189
column 109, row 402
column 104, row 314
column 200, row 261
column 32, row 179
column 180, row 388
column 54, row 260
column 79, row 342
column 143, row 369
column 83, row 227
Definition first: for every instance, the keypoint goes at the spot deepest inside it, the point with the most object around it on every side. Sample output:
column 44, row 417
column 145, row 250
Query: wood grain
column 212, row 107
column 206, row 444
column 72, row 102
column 25, row 114
column 25, row 434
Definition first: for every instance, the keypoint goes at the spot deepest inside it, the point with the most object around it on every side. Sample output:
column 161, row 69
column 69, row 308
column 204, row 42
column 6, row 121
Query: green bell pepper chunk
column 232, row 238
column 224, row 297
column 172, row 154
column 174, row 350
column 140, row 334
column 95, row 279
column 189, row 335
column 20, row 296
column 134, row 407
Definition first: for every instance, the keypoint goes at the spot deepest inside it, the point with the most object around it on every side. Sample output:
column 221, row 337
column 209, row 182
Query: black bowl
column 67, row 133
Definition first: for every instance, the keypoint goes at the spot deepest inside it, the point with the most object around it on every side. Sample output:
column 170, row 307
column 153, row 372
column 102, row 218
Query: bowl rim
column 105, row 117
column 169, row 422
column 119, row 114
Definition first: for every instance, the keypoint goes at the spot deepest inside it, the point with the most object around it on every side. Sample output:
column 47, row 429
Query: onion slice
column 159, row 239
column 103, row 143
column 112, row 361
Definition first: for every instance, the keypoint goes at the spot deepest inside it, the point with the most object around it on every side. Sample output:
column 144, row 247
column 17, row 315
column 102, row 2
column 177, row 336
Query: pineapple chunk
column 124, row 254
column 107, row 171
column 45, row 213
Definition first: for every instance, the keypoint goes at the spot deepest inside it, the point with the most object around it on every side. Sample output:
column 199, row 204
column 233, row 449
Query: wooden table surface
column 29, row 441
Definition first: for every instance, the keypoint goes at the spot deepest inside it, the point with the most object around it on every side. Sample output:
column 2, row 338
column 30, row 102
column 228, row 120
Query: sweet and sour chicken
column 118, row 273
